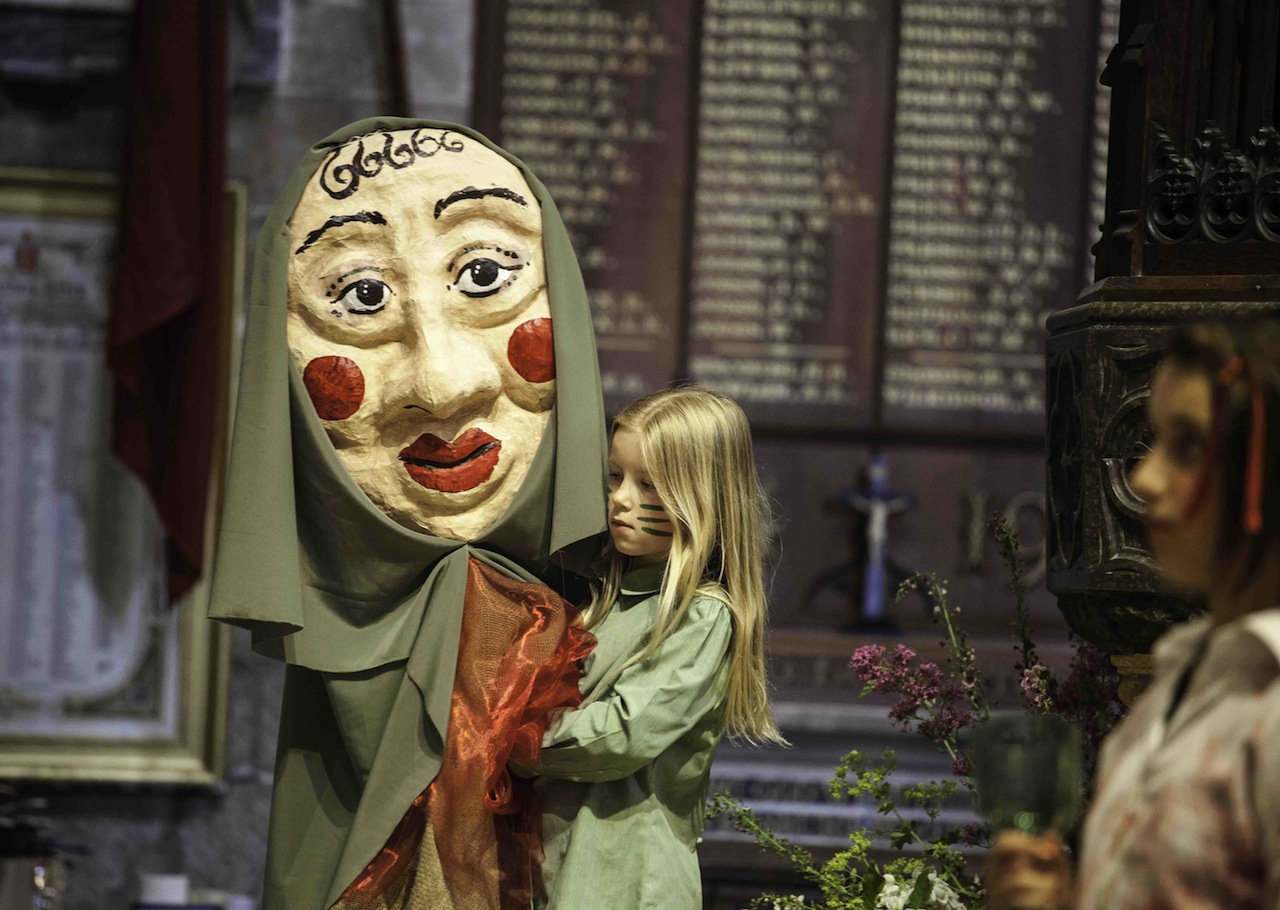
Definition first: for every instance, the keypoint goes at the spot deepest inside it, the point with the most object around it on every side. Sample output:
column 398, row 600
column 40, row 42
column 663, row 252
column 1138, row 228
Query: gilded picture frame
column 142, row 697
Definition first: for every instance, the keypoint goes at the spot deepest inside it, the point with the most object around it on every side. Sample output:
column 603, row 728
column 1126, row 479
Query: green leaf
column 922, row 893
column 899, row 839
column 871, row 884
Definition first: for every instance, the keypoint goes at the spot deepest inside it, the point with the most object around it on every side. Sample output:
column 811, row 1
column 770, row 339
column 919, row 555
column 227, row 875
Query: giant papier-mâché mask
column 419, row 320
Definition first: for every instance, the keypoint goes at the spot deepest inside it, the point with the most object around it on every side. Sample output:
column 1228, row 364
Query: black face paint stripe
column 656, row 533
column 472, row 193
column 655, row 521
column 652, row 508
column 338, row 221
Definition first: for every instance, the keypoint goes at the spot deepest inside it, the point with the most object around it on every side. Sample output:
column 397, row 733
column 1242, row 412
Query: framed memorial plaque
column 99, row 678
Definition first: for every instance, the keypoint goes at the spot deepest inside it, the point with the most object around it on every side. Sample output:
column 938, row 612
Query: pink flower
column 866, row 662
column 972, row 834
column 1039, row 688
column 946, row 721
column 1090, row 694
column 928, row 696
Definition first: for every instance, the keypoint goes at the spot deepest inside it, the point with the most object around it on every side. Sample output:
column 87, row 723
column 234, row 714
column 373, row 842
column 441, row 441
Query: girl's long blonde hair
column 697, row 448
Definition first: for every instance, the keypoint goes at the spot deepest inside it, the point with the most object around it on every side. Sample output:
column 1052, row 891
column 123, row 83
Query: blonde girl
column 679, row 612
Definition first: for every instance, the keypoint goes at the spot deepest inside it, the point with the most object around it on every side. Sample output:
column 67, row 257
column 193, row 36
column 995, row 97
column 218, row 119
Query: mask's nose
column 447, row 370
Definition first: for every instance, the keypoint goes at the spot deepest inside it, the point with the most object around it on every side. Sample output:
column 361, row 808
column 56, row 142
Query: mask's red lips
column 452, row 467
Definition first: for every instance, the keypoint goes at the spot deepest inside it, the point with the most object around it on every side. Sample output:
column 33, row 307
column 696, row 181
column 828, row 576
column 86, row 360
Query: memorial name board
column 989, row 190
column 594, row 98
column 790, row 194
column 847, row 214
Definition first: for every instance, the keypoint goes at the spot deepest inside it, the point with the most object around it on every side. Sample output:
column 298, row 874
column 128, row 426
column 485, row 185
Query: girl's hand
column 1026, row 872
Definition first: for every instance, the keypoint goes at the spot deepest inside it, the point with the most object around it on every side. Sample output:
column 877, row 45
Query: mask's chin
column 455, row 516
column 466, row 525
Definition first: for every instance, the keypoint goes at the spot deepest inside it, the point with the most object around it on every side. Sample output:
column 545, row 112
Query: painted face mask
column 420, row 322
column 418, row 431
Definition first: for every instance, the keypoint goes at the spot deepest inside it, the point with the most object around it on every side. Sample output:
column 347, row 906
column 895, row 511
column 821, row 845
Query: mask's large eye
column 483, row 277
column 368, row 295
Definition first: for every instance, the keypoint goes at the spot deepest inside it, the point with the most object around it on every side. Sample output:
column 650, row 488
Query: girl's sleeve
column 651, row 705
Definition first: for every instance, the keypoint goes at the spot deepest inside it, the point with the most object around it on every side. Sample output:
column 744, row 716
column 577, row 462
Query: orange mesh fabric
column 518, row 658
column 384, row 881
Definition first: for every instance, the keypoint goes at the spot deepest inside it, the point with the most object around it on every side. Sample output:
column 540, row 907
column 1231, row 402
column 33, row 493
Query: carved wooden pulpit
column 1192, row 230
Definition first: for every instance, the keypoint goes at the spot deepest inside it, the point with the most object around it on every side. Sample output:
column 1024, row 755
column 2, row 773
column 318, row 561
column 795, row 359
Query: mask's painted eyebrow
column 472, row 193
column 338, row 221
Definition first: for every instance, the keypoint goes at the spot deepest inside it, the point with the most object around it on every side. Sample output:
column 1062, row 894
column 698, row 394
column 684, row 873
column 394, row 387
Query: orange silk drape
column 518, row 658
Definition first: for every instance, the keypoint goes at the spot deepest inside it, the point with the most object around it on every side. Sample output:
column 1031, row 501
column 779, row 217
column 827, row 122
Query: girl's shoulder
column 710, row 601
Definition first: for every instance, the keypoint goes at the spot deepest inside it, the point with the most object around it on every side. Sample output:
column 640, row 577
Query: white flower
column 943, row 897
column 893, row 894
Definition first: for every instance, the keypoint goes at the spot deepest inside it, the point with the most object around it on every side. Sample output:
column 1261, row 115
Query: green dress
column 625, row 775
column 366, row 612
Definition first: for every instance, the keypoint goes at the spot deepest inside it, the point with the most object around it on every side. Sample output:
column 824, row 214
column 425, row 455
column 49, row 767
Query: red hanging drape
column 163, row 338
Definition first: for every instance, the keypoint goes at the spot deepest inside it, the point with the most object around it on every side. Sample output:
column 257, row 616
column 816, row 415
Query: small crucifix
column 877, row 503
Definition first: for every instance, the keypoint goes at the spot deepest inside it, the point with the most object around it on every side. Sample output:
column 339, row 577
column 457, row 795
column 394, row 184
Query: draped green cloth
column 366, row 612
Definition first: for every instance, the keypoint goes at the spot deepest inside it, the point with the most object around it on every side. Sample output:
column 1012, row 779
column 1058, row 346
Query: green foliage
column 1007, row 538
column 920, row 894
column 936, row 702
column 852, row 879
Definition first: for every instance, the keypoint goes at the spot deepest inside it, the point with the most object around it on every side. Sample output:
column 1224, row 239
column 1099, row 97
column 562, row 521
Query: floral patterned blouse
column 1187, row 808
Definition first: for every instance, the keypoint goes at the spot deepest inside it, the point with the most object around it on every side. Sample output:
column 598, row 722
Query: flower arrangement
column 936, row 702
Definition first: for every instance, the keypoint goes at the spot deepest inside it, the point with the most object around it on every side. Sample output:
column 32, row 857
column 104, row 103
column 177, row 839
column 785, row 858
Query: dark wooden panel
column 990, row 162
column 594, row 98
column 793, row 118
column 724, row 166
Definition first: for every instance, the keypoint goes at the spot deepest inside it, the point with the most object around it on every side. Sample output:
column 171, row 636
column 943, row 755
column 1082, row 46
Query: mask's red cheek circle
column 532, row 351
column 336, row 386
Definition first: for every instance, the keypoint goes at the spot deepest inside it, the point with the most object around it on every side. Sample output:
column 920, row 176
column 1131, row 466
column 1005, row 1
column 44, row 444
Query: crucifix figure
column 877, row 503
